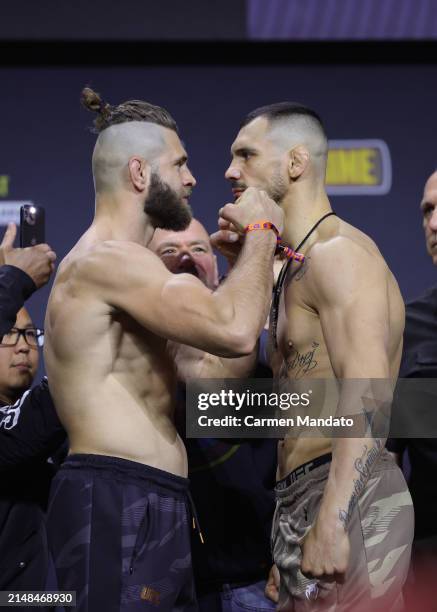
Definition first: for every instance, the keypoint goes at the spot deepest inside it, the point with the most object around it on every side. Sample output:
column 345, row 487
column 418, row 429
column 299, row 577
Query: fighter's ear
column 298, row 161
column 139, row 173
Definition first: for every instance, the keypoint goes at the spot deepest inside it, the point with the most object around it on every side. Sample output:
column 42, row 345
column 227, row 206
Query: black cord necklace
column 274, row 311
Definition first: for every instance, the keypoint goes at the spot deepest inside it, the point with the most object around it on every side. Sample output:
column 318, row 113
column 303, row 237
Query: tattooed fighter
column 343, row 524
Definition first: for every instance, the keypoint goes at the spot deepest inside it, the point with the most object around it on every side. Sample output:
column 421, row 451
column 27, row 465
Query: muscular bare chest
column 139, row 355
column 300, row 350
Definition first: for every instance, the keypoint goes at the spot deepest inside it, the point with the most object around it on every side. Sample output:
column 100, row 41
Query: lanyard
column 274, row 312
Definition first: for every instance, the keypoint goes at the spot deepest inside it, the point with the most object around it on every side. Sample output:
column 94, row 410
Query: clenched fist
column 325, row 549
column 254, row 205
column 37, row 261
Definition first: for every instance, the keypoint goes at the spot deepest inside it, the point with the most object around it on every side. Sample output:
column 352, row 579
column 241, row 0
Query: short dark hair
column 283, row 110
column 131, row 110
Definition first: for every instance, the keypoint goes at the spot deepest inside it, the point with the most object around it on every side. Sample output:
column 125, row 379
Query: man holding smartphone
column 29, row 428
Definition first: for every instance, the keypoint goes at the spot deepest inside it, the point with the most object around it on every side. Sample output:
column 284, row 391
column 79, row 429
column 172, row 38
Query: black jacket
column 30, row 432
column 419, row 360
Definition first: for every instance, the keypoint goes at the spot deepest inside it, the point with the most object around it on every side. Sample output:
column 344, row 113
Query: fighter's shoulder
column 346, row 265
column 347, row 249
column 115, row 259
column 118, row 248
column 110, row 253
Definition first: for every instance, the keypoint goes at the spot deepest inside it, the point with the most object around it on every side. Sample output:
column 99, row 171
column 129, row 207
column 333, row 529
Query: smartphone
column 32, row 225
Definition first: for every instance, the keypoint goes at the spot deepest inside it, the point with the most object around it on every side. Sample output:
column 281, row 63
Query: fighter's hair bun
column 131, row 110
column 92, row 101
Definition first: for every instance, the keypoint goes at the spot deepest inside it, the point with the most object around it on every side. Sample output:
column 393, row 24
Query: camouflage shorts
column 380, row 531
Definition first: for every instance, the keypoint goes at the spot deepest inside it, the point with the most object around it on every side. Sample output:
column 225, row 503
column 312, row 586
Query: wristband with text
column 287, row 251
column 263, row 225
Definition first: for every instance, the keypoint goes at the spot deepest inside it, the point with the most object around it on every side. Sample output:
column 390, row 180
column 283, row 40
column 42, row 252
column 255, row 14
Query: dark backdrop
column 46, row 147
column 218, row 20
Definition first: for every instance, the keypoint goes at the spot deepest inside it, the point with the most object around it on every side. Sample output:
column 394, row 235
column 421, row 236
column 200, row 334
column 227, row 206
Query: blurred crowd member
column 231, row 480
column 29, row 428
column 419, row 360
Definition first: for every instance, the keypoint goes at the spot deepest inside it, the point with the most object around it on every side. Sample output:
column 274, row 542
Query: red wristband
column 267, row 225
column 263, row 225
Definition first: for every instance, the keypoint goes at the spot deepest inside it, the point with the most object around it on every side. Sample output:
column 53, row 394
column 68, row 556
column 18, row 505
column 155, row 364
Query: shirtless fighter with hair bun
column 119, row 510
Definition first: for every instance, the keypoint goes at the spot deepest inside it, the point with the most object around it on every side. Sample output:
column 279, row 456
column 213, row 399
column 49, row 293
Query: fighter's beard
column 165, row 208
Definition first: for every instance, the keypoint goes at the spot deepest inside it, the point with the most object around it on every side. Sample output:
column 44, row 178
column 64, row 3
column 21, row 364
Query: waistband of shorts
column 125, row 468
column 302, row 471
column 309, row 475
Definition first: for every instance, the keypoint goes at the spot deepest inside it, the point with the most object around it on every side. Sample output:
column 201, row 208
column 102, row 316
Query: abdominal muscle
column 304, row 445
column 294, row 452
column 111, row 421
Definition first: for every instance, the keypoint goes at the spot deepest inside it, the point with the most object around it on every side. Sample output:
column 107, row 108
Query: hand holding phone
column 32, row 225
column 38, row 261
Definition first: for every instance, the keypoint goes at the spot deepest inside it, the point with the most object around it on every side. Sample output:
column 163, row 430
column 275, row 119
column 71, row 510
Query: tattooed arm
column 351, row 291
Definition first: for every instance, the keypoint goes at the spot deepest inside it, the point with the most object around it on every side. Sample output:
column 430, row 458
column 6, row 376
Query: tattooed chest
column 300, row 362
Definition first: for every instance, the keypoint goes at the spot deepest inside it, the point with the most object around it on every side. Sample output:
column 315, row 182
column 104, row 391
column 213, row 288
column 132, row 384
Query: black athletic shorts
column 119, row 535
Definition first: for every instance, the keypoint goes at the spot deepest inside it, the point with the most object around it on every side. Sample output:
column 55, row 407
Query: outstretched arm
column 179, row 307
column 194, row 363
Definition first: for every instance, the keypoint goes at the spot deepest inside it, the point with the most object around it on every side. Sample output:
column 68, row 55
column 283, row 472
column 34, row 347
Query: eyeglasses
column 33, row 336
